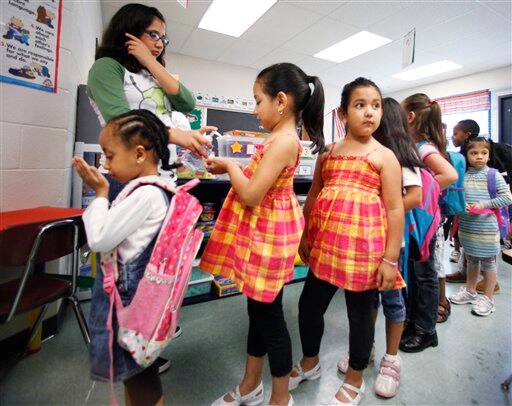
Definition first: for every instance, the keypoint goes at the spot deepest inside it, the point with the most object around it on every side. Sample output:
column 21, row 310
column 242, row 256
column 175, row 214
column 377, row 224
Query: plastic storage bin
column 237, row 147
column 200, row 283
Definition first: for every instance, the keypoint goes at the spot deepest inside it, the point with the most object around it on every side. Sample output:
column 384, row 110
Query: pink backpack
column 147, row 324
column 424, row 220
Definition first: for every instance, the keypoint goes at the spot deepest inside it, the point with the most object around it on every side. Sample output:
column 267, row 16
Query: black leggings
column 313, row 303
column 145, row 388
column 268, row 334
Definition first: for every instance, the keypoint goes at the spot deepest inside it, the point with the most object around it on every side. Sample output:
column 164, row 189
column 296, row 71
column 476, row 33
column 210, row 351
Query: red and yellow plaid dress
column 255, row 246
column 347, row 225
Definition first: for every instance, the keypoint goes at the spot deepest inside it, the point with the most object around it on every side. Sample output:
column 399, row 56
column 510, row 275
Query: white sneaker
column 310, row 375
column 343, row 362
column 484, row 306
column 351, row 400
column 251, row 399
column 388, row 379
column 464, row 296
column 455, row 256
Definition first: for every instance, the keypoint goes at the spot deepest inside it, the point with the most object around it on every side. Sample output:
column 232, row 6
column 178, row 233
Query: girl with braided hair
column 134, row 144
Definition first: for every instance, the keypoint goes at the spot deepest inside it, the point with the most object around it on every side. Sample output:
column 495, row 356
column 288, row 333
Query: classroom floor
column 473, row 358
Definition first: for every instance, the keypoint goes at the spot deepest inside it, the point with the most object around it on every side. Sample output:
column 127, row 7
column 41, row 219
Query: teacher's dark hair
column 132, row 19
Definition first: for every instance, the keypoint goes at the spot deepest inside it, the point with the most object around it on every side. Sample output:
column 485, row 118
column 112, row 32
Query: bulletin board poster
column 29, row 43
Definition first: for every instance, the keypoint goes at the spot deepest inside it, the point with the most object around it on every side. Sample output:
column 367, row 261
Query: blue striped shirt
column 479, row 234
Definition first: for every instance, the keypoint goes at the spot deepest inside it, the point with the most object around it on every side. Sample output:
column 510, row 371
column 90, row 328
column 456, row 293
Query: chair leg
column 36, row 325
column 81, row 319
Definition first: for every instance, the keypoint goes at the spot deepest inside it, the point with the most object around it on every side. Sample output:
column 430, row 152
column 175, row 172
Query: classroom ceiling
column 474, row 34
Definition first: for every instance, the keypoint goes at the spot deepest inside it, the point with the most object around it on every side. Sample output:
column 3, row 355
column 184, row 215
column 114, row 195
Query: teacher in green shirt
column 129, row 73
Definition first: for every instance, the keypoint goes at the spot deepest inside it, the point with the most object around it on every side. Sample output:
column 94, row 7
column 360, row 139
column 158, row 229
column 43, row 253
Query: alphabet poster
column 29, row 43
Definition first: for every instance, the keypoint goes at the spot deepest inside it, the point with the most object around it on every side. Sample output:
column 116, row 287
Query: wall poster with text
column 29, row 43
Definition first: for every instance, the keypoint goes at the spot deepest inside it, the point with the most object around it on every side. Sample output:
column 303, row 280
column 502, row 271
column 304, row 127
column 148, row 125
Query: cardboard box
column 224, row 286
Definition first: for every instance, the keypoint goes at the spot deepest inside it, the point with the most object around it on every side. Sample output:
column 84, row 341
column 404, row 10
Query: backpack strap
column 491, row 183
column 110, row 275
column 493, row 193
column 189, row 185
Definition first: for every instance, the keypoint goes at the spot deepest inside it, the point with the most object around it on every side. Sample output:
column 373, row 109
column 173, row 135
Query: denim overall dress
column 125, row 366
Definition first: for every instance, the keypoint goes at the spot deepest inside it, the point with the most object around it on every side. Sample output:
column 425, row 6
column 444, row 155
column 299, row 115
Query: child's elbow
column 453, row 178
column 415, row 200
column 99, row 246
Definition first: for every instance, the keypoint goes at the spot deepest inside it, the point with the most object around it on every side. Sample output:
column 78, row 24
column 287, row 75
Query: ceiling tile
column 245, row 52
column 174, row 12
column 385, row 60
column 502, row 8
column 481, row 20
column 278, row 55
column 320, row 35
column 339, row 75
column 421, row 15
column 281, row 23
column 206, row 44
column 314, row 66
column 323, row 7
column 365, row 14
column 178, row 35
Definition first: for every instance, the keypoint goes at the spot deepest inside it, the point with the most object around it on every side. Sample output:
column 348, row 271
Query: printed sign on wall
column 29, row 45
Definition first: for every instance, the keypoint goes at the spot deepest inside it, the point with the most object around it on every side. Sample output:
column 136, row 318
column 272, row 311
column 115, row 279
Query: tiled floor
column 472, row 359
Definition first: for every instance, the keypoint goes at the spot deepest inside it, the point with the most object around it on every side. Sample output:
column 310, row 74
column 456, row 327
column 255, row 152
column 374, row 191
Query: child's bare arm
column 444, row 172
column 280, row 154
column 315, row 189
column 392, row 198
column 412, row 197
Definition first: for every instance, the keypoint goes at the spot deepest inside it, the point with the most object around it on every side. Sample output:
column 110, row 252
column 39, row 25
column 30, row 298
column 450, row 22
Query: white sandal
column 253, row 398
column 352, row 401
column 310, row 375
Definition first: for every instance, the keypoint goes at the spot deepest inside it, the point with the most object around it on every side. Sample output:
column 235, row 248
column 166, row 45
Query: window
column 475, row 106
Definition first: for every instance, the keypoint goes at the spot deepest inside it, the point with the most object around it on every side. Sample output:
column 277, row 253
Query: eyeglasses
column 155, row 36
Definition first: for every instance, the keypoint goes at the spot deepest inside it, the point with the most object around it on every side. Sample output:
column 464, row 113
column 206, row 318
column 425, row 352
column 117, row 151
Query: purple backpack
column 502, row 214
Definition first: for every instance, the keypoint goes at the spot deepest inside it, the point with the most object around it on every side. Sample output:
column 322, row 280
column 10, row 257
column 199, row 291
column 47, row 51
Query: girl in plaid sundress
column 354, row 226
column 257, row 233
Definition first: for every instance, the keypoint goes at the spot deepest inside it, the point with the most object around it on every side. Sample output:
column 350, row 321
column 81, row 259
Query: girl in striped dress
column 257, row 233
column 354, row 227
column 478, row 229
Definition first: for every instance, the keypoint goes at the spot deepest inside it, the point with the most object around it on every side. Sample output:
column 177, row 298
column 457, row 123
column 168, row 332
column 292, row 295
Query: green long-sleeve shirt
column 114, row 90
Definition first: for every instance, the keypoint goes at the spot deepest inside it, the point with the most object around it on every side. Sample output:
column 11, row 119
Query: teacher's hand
column 139, row 50
column 193, row 140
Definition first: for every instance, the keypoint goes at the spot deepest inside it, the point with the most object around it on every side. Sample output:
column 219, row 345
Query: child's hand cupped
column 91, row 176
column 217, row 166
column 386, row 276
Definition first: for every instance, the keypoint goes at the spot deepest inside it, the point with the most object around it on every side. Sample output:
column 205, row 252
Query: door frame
column 500, row 107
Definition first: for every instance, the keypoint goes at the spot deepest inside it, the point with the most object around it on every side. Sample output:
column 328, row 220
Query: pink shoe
column 388, row 379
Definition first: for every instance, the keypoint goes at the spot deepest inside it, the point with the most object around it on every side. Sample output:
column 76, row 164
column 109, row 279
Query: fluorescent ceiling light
column 353, row 46
column 234, row 17
column 428, row 70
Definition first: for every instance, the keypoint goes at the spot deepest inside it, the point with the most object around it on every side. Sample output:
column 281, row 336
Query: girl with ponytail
column 134, row 144
column 428, row 304
column 257, row 233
